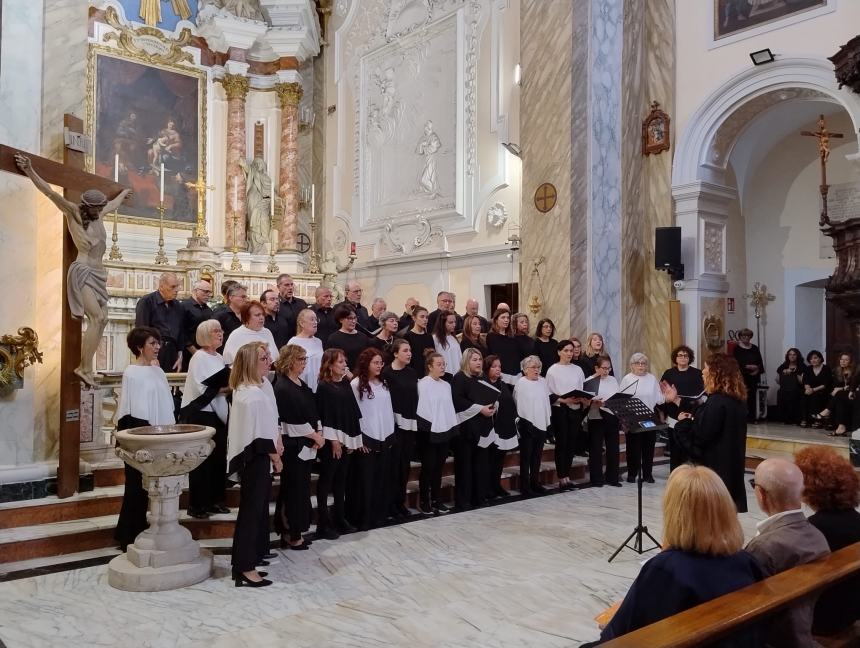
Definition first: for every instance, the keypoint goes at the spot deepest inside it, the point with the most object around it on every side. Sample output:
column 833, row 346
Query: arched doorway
column 743, row 182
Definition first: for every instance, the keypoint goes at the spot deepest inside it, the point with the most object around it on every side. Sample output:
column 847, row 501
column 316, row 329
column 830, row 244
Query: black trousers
column 251, row 535
column 640, row 454
column 841, row 409
column 372, row 496
column 751, row 383
column 402, row 451
column 603, row 431
column 464, row 448
column 567, row 424
column 789, row 406
column 496, row 466
column 332, row 479
column 207, row 484
column 814, row 403
column 433, row 456
column 293, row 509
column 132, row 514
column 531, row 453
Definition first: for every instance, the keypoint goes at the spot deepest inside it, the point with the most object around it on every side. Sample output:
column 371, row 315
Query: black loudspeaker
column 667, row 248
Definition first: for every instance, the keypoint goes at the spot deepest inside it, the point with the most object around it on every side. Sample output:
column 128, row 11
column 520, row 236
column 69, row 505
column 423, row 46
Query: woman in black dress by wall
column 339, row 416
column 504, row 426
column 403, row 384
column 545, row 345
column 751, row 366
column 789, row 397
column 817, row 383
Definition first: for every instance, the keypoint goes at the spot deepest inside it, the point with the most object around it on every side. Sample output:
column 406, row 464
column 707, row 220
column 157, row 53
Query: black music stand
column 637, row 418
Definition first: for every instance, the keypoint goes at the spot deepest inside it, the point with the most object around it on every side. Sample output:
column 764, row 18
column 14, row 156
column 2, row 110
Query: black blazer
column 839, row 606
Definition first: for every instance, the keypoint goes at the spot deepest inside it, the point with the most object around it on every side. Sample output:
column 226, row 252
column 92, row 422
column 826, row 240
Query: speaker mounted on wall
column 667, row 251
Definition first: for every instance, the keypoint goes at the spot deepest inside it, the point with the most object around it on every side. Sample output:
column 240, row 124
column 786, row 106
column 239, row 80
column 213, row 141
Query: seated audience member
column 831, row 488
column 784, row 540
column 789, row 375
column 817, row 383
column 839, row 407
column 702, row 556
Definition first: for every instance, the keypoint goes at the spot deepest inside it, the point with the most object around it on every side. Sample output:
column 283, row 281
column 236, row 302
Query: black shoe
column 540, row 489
column 403, row 512
column 263, row 563
column 440, row 509
column 301, row 547
column 596, row 485
column 501, row 492
column 198, row 514
column 425, row 508
column 650, row 480
column 326, row 534
column 343, row 527
column 243, row 581
column 618, row 484
column 262, row 574
column 270, row 556
column 218, row 509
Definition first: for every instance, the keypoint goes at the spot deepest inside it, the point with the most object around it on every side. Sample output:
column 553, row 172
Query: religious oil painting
column 147, row 120
column 733, row 16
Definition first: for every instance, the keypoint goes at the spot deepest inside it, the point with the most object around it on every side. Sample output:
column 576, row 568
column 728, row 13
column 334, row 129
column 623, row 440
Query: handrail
column 731, row 612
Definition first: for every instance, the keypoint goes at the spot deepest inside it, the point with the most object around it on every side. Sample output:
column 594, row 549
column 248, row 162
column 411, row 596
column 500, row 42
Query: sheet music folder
column 633, row 413
column 483, row 393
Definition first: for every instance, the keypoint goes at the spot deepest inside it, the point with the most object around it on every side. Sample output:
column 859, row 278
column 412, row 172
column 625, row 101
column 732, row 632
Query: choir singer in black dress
column 437, row 425
column 350, row 340
column 403, row 384
column 474, row 401
column 751, row 365
column 716, row 436
column 419, row 339
column 340, row 418
column 253, row 450
column 302, row 437
column 562, row 378
column 504, row 426
column 603, row 428
column 545, row 345
column 144, row 399
column 533, row 409
column 501, row 343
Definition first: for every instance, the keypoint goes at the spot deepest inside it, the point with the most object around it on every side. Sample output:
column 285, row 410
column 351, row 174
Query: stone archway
column 701, row 193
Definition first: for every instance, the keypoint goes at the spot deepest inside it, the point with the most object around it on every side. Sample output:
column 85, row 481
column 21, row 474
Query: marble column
column 236, row 88
column 290, row 95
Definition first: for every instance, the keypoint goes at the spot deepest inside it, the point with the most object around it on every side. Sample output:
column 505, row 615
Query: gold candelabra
column 115, row 254
column 160, row 256
column 200, row 226
column 314, row 266
column 272, row 268
column 236, row 264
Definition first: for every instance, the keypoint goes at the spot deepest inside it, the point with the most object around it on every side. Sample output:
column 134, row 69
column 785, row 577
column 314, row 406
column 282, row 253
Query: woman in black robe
column 419, row 338
column 545, row 345
column 476, row 427
column 300, row 428
column 501, row 343
column 817, row 383
column 751, row 365
column 339, row 416
column 682, row 375
column 716, row 436
column 350, row 340
column 522, row 329
column 403, row 385
column 504, row 426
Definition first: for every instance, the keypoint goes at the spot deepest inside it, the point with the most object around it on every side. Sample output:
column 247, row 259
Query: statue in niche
column 87, row 279
column 259, row 194
column 428, row 146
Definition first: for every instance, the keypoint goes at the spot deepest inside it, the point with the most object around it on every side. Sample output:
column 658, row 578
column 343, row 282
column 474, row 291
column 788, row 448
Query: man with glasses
column 290, row 306
column 196, row 311
column 353, row 301
column 271, row 306
column 162, row 311
column 444, row 304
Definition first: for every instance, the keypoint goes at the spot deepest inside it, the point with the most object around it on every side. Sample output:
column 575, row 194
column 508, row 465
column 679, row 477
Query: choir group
column 362, row 406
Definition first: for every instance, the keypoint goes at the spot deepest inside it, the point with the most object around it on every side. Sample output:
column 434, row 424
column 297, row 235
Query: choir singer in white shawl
column 533, row 409
column 253, row 329
column 641, row 384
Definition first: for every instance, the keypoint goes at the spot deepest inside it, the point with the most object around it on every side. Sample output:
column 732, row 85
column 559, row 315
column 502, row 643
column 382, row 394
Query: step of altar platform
column 52, row 527
column 767, row 440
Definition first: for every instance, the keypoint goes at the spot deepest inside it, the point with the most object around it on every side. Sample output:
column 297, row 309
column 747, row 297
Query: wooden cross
column 75, row 181
column 201, row 187
column 823, row 136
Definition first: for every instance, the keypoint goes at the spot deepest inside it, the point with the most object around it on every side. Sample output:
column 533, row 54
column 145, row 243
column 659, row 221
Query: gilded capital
column 290, row 93
column 235, row 85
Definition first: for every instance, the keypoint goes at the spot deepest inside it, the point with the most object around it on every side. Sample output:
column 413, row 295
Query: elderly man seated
column 784, row 540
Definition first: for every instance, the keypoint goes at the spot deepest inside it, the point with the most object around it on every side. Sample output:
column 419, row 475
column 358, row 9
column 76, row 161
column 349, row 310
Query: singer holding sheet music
column 504, row 425
column 643, row 385
column 567, row 413
column 602, row 426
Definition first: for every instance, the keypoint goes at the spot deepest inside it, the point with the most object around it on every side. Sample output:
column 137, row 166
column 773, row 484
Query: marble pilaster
column 236, row 88
column 290, row 95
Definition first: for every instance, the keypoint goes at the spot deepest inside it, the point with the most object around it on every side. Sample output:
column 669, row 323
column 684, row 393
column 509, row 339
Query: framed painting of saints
column 145, row 118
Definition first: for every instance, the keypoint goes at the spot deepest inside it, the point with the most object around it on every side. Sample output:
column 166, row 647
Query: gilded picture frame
column 656, row 134
column 736, row 16
column 142, row 113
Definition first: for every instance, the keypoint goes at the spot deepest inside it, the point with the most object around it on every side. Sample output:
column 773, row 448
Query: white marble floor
column 529, row 573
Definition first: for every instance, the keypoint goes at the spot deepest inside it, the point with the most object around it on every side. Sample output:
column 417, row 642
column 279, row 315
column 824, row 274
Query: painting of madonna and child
column 146, row 117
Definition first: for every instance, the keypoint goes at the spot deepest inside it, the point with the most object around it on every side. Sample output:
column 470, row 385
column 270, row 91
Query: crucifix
column 823, row 136
column 200, row 227
column 78, row 248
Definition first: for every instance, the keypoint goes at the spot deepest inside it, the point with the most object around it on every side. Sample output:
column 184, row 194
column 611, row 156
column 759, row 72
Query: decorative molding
column 16, row 353
column 235, row 85
column 147, row 43
column 290, row 94
column 497, row 215
column 713, row 242
column 426, row 233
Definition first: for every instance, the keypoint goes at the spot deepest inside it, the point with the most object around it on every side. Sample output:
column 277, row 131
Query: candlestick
column 160, row 256
column 313, row 204
column 116, row 167
column 161, row 192
column 235, row 195
column 115, row 254
column 272, row 201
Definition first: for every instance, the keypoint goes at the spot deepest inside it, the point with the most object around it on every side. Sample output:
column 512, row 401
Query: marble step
column 73, row 536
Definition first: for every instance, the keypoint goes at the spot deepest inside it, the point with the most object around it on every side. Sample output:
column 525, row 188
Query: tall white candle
column 116, row 167
column 235, row 196
column 161, row 193
column 272, row 200
column 313, row 204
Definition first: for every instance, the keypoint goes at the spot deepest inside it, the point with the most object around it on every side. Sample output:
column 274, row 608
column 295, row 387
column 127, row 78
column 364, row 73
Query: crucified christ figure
column 87, row 278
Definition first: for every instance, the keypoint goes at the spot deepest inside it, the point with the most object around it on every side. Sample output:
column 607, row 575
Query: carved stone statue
column 259, row 192
column 241, row 8
column 428, row 146
column 330, row 269
column 87, row 278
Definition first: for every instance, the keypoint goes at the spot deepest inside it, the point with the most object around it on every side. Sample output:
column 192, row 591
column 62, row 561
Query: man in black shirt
column 196, row 310
column 322, row 307
column 271, row 306
column 291, row 305
column 225, row 286
column 237, row 296
column 353, row 301
column 444, row 304
column 406, row 322
column 163, row 312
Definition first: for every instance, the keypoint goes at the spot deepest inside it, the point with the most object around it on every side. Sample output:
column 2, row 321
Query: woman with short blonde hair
column 701, row 558
column 206, row 330
column 305, row 337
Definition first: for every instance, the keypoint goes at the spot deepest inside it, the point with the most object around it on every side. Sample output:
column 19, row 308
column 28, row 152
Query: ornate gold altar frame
column 150, row 47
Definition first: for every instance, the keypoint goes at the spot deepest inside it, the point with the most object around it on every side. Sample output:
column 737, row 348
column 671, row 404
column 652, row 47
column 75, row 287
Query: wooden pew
column 727, row 614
